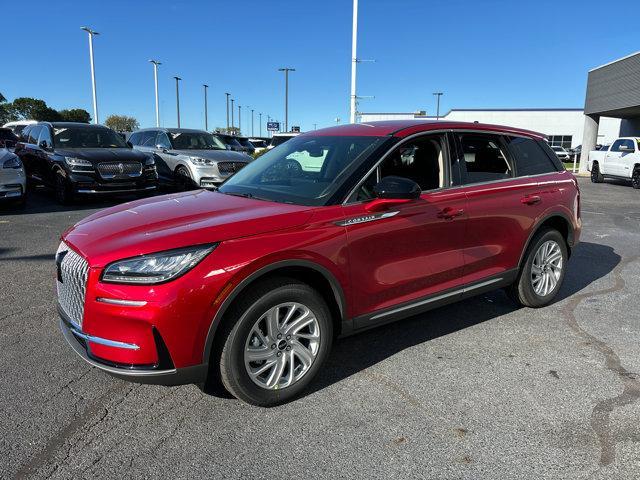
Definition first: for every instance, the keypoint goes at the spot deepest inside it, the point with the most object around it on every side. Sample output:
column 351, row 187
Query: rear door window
column 33, row 135
column 528, row 156
column 485, row 158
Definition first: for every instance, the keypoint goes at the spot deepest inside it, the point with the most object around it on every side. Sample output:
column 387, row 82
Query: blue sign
column 273, row 126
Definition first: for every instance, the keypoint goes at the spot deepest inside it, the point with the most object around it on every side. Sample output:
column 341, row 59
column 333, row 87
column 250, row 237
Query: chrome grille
column 227, row 168
column 73, row 269
column 120, row 169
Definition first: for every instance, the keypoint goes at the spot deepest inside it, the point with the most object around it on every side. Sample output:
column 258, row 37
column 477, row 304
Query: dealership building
column 562, row 126
column 613, row 91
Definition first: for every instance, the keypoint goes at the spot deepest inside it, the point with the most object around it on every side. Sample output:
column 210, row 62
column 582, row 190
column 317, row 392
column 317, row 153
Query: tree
column 75, row 115
column 7, row 113
column 2, row 98
column 29, row 108
column 122, row 123
column 229, row 131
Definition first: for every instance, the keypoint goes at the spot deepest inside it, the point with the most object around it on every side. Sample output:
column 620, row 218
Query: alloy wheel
column 546, row 268
column 282, row 345
column 635, row 178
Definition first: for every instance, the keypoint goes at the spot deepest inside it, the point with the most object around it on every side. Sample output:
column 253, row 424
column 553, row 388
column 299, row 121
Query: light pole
column 260, row 115
column 286, row 71
column 252, row 122
column 315, row 126
column 239, row 119
column 206, row 113
column 438, row 95
column 232, row 127
column 354, row 63
column 155, row 78
column 227, row 94
column 178, row 99
column 93, row 72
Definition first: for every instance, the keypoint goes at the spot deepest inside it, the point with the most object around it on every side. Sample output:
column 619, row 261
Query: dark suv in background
column 77, row 158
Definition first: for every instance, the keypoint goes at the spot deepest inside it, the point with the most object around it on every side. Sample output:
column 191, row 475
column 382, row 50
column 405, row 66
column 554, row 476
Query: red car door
column 407, row 252
column 501, row 208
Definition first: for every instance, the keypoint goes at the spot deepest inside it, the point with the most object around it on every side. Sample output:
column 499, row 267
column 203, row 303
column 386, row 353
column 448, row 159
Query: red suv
column 333, row 232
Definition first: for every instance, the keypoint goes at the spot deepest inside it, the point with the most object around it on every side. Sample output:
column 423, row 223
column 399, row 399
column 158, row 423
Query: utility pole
column 260, row 114
column 286, row 71
column 227, row 94
column 438, row 95
column 206, row 113
column 155, row 78
column 232, row 126
column 252, row 122
column 178, row 99
column 239, row 119
column 93, row 72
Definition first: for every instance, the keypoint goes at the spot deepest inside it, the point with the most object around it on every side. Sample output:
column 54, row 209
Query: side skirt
column 424, row 304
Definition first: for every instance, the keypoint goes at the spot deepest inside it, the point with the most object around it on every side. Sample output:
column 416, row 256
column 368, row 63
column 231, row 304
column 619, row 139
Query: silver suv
column 188, row 158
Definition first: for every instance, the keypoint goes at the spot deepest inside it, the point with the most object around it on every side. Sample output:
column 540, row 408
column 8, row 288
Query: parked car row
column 81, row 159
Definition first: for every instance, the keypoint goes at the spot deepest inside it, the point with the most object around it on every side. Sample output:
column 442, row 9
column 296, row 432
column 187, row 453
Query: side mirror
column 397, row 188
column 162, row 148
column 44, row 145
column 393, row 191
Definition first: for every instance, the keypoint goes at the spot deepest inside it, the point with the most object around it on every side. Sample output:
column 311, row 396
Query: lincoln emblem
column 121, row 168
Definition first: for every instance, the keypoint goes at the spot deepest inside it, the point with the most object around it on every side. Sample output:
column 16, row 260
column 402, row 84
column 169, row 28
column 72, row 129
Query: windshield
column 231, row 141
column 195, row 141
column 306, row 170
column 87, row 137
column 245, row 142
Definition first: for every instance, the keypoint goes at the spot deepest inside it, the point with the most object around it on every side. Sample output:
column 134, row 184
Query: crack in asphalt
column 601, row 413
column 57, row 441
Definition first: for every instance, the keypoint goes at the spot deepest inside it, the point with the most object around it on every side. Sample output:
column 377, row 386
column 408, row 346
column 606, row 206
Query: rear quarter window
column 530, row 157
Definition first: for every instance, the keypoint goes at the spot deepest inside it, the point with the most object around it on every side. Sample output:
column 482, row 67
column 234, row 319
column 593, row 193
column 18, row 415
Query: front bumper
column 161, row 373
column 11, row 191
column 91, row 183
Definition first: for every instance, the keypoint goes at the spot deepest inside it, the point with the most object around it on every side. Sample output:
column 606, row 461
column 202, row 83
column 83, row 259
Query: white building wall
column 548, row 122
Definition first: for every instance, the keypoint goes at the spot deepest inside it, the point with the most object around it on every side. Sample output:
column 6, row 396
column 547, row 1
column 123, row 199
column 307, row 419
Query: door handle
column 531, row 199
column 449, row 213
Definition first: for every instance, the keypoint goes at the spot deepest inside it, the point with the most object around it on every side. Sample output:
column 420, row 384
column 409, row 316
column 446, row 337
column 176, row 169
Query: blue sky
column 480, row 53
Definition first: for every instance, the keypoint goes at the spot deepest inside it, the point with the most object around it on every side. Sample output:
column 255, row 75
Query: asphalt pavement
column 476, row 390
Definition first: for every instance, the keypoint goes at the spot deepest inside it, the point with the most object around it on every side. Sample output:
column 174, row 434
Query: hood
column 177, row 220
column 217, row 155
column 96, row 155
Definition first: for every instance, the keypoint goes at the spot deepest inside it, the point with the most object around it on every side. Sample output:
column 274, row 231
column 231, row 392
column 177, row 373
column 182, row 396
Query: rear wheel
column 542, row 270
column 596, row 176
column 184, row 182
column 635, row 177
column 281, row 337
column 62, row 189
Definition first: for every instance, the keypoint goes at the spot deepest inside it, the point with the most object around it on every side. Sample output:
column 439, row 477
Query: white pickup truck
column 620, row 160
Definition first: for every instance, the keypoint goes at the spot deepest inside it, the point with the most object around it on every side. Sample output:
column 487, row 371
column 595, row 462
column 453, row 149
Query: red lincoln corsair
column 333, row 232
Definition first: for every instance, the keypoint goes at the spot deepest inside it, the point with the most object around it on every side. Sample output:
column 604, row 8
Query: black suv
column 77, row 158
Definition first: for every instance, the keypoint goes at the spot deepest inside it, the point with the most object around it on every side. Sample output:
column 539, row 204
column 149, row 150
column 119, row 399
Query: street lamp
column 232, row 127
column 252, row 122
column 260, row 114
column 93, row 72
column 155, row 78
column 286, row 71
column 178, row 99
column 239, row 119
column 227, row 94
column 206, row 113
column 438, row 95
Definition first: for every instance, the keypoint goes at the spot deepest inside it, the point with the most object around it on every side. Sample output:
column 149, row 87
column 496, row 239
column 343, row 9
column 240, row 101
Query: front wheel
column 281, row 337
column 184, row 182
column 596, row 176
column 62, row 189
column 542, row 270
column 635, row 177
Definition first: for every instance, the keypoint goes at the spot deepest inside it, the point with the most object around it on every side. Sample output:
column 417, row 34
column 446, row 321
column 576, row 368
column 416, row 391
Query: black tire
column 596, row 176
column 184, row 182
column 635, row 177
column 522, row 290
column 236, row 332
column 62, row 189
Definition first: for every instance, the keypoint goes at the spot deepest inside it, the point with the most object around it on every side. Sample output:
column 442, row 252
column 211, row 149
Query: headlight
column 78, row 164
column 157, row 267
column 202, row 161
column 13, row 162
